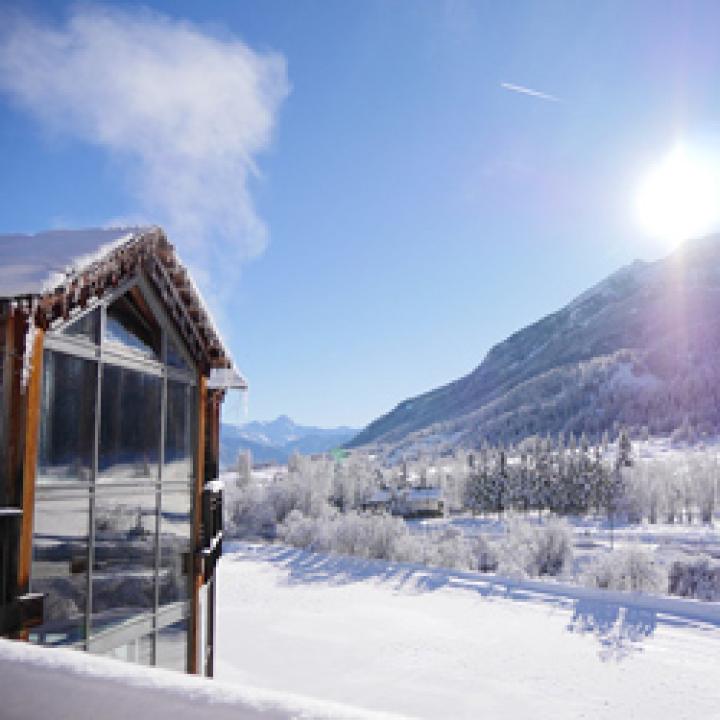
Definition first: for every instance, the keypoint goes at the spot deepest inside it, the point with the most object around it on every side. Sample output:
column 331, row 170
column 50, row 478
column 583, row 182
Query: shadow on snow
column 619, row 621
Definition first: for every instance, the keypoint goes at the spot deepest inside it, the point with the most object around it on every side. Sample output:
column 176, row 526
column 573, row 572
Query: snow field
column 429, row 644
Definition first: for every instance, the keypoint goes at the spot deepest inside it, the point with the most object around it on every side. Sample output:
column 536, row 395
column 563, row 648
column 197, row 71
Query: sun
column 680, row 197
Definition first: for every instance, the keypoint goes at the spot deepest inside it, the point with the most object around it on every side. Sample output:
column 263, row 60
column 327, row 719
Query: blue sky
column 416, row 211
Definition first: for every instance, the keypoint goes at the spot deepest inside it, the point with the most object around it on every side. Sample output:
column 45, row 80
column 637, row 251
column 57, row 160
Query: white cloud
column 184, row 111
column 529, row 91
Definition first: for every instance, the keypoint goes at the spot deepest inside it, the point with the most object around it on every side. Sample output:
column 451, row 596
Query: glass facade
column 172, row 646
column 130, row 419
column 68, row 419
column 174, row 357
column 113, row 507
column 130, row 324
column 179, row 433
column 123, row 568
column 175, row 545
column 87, row 326
column 60, row 564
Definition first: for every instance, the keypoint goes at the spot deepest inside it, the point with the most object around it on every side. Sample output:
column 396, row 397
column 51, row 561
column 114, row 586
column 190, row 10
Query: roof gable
column 56, row 272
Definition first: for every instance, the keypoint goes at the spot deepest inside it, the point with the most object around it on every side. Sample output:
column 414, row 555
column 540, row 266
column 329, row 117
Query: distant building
column 111, row 379
column 419, row 502
column 380, row 501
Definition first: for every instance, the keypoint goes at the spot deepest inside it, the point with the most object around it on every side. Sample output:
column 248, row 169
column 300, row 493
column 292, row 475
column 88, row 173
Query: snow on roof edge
column 206, row 309
column 34, row 264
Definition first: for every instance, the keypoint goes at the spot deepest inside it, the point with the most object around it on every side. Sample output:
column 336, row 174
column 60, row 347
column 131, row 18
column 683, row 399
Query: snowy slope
column 436, row 644
column 639, row 349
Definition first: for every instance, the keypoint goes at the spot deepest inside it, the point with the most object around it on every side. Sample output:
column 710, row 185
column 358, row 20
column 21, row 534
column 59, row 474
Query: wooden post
column 197, row 578
column 32, row 427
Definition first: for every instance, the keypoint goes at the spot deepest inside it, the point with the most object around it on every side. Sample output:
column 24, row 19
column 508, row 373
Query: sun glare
column 680, row 197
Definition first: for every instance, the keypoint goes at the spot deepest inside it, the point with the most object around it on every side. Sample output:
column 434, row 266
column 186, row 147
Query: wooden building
column 413, row 502
column 111, row 380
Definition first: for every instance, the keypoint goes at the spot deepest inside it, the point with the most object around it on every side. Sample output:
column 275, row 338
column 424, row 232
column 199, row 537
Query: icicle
column 29, row 342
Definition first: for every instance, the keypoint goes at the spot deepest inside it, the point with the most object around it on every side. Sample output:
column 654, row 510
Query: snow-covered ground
column 430, row 643
column 38, row 683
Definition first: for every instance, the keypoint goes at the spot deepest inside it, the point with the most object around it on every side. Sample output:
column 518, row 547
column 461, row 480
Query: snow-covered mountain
column 276, row 440
column 641, row 348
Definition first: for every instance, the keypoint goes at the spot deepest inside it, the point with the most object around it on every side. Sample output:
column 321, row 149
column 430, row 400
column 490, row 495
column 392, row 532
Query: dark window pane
column 123, row 582
column 67, row 426
column 175, row 530
column 129, row 425
column 174, row 357
column 179, row 431
column 172, row 646
column 88, row 326
column 60, row 564
column 130, row 323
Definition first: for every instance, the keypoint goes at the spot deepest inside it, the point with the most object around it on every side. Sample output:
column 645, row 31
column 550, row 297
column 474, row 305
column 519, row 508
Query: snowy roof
column 51, row 273
column 226, row 379
column 431, row 493
column 380, row 496
column 34, row 264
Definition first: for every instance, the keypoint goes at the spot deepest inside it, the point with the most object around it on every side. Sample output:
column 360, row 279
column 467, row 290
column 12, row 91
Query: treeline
column 580, row 479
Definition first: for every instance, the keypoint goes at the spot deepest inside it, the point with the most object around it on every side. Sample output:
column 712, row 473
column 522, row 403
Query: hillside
column 276, row 440
column 639, row 348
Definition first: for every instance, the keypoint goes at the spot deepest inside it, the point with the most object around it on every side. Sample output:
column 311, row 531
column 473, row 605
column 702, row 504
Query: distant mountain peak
column 275, row 440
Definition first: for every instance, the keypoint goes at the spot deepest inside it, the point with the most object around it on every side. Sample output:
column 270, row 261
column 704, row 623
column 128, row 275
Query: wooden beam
column 33, row 393
column 197, row 575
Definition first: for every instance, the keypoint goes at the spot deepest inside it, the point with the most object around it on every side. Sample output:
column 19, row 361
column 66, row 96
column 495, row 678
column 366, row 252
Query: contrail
column 529, row 91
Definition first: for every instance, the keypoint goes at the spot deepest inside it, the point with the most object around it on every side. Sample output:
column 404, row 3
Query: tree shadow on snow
column 620, row 627
column 619, row 630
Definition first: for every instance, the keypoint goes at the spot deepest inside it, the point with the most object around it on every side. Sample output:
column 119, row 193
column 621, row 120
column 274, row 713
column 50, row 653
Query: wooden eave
column 150, row 254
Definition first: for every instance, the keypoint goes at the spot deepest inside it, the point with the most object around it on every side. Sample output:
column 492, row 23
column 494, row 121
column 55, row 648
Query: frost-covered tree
column 244, row 471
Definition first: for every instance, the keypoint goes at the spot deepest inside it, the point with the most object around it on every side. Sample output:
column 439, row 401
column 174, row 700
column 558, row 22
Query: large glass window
column 174, row 357
column 87, row 326
column 172, row 646
column 112, row 539
column 60, row 564
column 179, row 421
column 175, row 544
column 129, row 425
column 130, row 323
column 67, row 412
column 138, row 650
column 123, row 570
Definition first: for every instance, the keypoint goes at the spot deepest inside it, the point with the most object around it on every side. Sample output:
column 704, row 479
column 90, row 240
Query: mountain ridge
column 644, row 330
column 275, row 440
